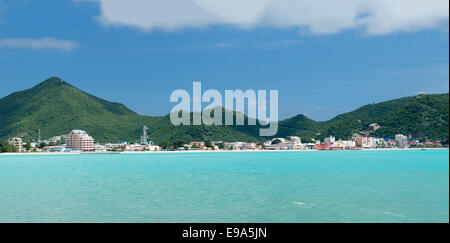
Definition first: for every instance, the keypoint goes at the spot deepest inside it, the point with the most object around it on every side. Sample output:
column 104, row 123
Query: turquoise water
column 335, row 186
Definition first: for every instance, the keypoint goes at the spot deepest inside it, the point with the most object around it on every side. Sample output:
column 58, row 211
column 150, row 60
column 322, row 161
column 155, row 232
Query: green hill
column 299, row 125
column 56, row 107
column 422, row 116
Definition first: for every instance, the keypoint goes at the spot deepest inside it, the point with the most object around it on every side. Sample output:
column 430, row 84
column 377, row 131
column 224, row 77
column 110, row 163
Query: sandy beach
column 210, row 151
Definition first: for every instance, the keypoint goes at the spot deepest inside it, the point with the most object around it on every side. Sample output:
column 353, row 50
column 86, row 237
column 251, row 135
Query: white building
column 362, row 141
column 18, row 143
column 115, row 146
column 402, row 140
column 153, row 148
column 344, row 144
column 240, row 146
column 267, row 143
column 377, row 142
column 295, row 139
column 99, row 148
column 55, row 148
column 80, row 140
column 135, row 147
column 294, row 143
column 309, row 146
column 330, row 139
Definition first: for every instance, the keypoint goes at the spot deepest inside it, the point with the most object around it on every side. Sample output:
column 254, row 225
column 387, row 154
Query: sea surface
column 330, row 186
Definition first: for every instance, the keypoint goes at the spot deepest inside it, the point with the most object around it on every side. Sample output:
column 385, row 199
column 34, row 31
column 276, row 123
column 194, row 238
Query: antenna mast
column 144, row 138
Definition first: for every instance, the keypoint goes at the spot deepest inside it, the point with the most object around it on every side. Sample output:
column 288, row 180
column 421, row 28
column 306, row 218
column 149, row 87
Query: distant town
column 79, row 141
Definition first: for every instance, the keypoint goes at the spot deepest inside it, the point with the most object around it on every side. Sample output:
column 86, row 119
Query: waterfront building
column 55, row 149
column 99, row 148
column 391, row 143
column 402, row 140
column 54, row 139
column 330, row 139
column 80, row 140
column 295, row 139
column 18, row 143
column 412, row 144
column 240, row 146
column 200, row 145
column 328, row 146
column 33, row 144
column 310, row 146
column 267, row 143
column 134, row 147
column 115, row 146
column 295, row 143
column 362, row 141
column 377, row 142
column 344, row 144
column 294, row 146
column 153, row 148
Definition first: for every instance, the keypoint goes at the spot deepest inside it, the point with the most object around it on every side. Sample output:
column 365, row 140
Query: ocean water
column 332, row 186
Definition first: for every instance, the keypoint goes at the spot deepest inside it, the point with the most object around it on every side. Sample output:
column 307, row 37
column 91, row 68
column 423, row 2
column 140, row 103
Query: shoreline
column 210, row 151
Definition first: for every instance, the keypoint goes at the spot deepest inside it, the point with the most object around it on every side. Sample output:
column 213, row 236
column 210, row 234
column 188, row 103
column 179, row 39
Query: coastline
column 210, row 151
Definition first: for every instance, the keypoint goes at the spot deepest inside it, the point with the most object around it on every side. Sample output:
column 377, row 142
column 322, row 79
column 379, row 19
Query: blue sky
column 321, row 66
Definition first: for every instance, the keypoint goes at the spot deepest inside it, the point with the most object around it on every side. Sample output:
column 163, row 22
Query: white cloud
column 37, row 44
column 316, row 16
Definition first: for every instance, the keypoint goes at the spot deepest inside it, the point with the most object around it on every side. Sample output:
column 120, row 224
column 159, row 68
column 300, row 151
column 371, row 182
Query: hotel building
column 80, row 140
column 17, row 142
column 402, row 140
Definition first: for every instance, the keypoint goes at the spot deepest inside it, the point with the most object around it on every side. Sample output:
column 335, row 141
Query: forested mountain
column 56, row 107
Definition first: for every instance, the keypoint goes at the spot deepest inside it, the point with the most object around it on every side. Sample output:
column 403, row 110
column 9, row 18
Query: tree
column 309, row 141
column 208, row 144
column 178, row 144
column 6, row 148
column 276, row 141
column 165, row 145
column 221, row 145
column 27, row 146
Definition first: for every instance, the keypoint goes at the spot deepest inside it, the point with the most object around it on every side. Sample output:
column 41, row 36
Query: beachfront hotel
column 17, row 142
column 80, row 140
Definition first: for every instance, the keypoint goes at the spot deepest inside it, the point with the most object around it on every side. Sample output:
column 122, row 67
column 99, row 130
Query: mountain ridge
column 56, row 107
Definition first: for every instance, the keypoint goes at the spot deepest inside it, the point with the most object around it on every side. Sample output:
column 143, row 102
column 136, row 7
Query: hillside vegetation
column 56, row 107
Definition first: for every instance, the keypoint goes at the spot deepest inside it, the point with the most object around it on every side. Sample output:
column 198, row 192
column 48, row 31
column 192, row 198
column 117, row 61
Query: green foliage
column 221, row 145
column 299, row 125
column 208, row 143
column 422, row 117
column 343, row 129
column 425, row 117
column 6, row 148
column 56, row 107
column 27, row 146
column 42, row 145
column 276, row 141
column 178, row 144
